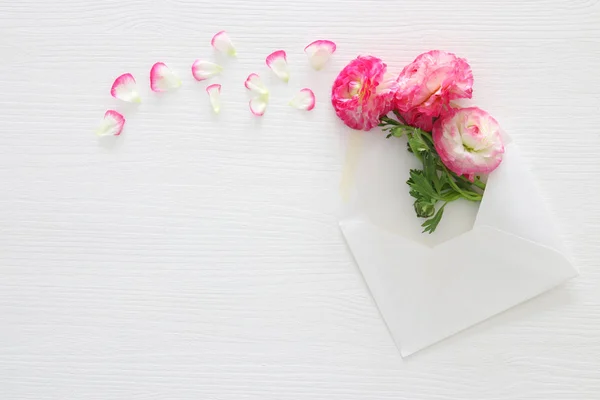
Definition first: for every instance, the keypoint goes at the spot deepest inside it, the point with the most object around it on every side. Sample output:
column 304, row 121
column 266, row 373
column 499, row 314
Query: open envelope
column 426, row 294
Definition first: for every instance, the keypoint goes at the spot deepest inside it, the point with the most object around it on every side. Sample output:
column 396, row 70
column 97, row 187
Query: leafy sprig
column 434, row 183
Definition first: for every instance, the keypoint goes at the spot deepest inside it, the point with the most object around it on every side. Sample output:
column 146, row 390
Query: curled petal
column 205, row 69
column 319, row 52
column 124, row 88
column 255, row 85
column 214, row 94
column 162, row 78
column 304, row 100
column 222, row 43
column 111, row 125
column 258, row 105
column 277, row 61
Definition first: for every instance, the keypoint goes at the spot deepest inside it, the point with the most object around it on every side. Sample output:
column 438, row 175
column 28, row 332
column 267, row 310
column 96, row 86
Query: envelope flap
column 511, row 203
column 426, row 295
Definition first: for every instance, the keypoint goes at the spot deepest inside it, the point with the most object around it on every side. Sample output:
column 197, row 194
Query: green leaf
column 430, row 170
column 431, row 224
column 419, row 183
column 417, row 145
column 442, row 183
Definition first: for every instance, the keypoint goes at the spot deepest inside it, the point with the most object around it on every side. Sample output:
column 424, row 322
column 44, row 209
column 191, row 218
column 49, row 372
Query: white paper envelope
column 426, row 294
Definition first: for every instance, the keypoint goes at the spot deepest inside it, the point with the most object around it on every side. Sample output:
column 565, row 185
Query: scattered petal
column 205, row 69
column 111, row 125
column 277, row 61
column 162, row 78
column 214, row 94
column 124, row 88
column 260, row 93
column 222, row 43
column 258, row 105
column 255, row 85
column 304, row 100
column 319, row 52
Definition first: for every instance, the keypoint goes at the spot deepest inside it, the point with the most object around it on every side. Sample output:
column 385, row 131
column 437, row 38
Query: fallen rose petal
column 255, row 84
column 214, row 94
column 258, row 106
column 319, row 52
column 125, row 88
column 202, row 70
column 162, row 78
column 277, row 61
column 304, row 100
column 111, row 125
column 222, row 43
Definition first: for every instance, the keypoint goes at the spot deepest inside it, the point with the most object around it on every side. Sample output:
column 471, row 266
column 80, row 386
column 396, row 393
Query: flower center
column 354, row 88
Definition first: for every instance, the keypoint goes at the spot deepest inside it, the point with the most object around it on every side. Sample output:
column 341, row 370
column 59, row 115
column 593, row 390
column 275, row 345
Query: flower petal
column 258, row 105
column 111, row 125
column 222, row 43
column 304, row 100
column 255, row 85
column 277, row 61
column 124, row 88
column 214, row 94
column 162, row 78
column 205, row 69
column 319, row 52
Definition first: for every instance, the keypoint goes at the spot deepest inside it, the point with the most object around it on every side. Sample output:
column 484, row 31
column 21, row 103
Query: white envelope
column 426, row 294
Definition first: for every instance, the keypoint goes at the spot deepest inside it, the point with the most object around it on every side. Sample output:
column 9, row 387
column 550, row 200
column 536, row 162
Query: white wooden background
column 200, row 258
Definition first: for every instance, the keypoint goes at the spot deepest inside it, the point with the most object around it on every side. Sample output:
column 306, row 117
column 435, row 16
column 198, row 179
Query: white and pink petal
column 163, row 79
column 258, row 105
column 214, row 95
column 255, row 84
column 319, row 52
column 111, row 125
column 277, row 61
column 304, row 100
column 202, row 70
column 221, row 42
column 125, row 88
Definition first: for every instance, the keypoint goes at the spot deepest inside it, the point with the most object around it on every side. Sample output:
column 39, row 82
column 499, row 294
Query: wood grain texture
column 199, row 257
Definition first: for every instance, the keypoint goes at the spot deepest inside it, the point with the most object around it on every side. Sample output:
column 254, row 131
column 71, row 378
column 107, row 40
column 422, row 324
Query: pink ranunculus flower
column 418, row 120
column 468, row 141
column 428, row 84
column 363, row 92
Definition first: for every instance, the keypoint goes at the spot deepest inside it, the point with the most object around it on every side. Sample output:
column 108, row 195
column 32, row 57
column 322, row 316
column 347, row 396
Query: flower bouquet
column 511, row 253
column 457, row 146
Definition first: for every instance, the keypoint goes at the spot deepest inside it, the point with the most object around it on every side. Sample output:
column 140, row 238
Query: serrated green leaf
column 431, row 224
column 417, row 146
column 421, row 184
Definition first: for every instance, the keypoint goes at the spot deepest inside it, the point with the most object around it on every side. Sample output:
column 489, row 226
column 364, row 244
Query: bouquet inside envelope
column 512, row 252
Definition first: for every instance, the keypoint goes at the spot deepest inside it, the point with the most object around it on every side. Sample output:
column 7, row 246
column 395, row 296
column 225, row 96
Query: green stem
column 477, row 182
column 472, row 196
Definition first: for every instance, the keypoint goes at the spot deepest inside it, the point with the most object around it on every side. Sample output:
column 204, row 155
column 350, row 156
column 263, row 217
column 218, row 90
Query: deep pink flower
column 418, row 120
column 428, row 84
column 468, row 141
column 362, row 93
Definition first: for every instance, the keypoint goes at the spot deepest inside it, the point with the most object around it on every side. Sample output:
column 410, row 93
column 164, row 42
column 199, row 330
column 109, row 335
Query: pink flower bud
column 468, row 141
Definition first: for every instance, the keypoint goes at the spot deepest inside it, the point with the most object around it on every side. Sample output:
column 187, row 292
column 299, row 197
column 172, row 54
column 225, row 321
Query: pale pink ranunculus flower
column 363, row 92
column 431, row 81
column 468, row 141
